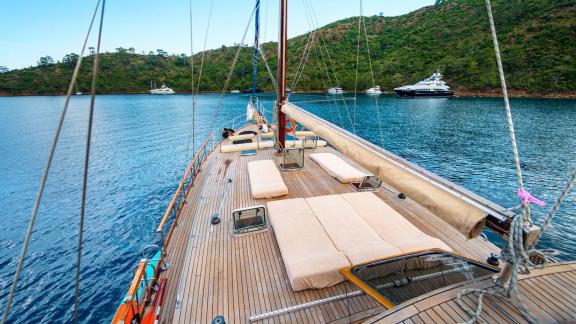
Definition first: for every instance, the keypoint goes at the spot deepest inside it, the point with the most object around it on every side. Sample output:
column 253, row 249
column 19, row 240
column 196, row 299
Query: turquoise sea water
column 142, row 145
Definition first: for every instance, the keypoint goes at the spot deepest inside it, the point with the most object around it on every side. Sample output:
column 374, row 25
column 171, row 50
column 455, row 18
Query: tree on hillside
column 70, row 59
column 45, row 60
column 3, row 69
column 161, row 53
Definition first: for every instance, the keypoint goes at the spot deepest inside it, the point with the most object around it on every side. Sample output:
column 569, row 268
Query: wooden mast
column 282, row 56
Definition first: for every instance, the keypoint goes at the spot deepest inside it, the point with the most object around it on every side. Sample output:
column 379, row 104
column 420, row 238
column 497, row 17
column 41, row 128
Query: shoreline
column 458, row 93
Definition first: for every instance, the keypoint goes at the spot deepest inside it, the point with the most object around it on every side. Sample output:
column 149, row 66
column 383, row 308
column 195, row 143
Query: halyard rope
column 47, row 166
column 87, row 162
column 513, row 252
column 508, row 109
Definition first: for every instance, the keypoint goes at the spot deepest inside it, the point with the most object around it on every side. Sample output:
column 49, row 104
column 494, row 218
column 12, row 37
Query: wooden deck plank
column 548, row 293
column 217, row 273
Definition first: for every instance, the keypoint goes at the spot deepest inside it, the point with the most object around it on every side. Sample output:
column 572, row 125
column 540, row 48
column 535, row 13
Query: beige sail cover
column 460, row 214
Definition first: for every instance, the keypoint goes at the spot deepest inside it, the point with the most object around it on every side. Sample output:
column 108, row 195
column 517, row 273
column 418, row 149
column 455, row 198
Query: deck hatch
column 369, row 183
column 396, row 280
column 249, row 219
column 292, row 159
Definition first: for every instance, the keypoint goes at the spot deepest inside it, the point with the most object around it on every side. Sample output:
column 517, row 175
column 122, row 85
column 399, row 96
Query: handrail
column 135, row 285
column 181, row 191
column 181, row 185
column 132, row 299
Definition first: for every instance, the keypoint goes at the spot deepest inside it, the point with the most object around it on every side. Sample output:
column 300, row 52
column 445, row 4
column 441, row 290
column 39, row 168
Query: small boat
column 374, row 90
column 431, row 87
column 79, row 93
column 335, row 90
column 163, row 90
column 289, row 90
column 235, row 91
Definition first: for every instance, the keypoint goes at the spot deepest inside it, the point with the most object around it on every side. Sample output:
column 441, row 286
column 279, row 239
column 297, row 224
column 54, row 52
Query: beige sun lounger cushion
column 390, row 225
column 348, row 231
column 310, row 258
column 338, row 168
column 229, row 148
column 265, row 180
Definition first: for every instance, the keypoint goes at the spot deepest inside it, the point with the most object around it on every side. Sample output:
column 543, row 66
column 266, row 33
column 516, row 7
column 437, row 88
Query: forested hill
column 537, row 38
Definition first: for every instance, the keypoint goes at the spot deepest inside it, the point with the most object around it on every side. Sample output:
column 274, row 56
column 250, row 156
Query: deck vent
column 369, row 183
column 249, row 219
column 292, row 159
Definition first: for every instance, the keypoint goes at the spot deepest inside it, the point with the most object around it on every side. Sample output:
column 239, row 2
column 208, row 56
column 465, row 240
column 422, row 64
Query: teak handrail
column 182, row 182
column 135, row 285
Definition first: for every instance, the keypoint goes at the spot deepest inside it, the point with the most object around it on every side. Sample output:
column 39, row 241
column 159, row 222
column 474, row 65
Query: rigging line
column 555, row 208
column 204, row 49
column 47, row 167
column 232, row 67
column 324, row 84
column 357, row 64
column 313, row 13
column 270, row 74
column 192, row 81
column 508, row 110
column 87, row 162
column 303, row 61
column 376, row 97
column 319, row 100
column 321, row 58
column 265, row 21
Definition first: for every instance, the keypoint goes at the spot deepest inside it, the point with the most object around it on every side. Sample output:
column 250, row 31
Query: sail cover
column 451, row 205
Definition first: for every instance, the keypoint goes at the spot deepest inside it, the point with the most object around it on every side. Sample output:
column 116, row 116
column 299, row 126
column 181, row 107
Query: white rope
column 47, row 166
column 555, row 208
column 508, row 109
column 518, row 258
column 514, row 252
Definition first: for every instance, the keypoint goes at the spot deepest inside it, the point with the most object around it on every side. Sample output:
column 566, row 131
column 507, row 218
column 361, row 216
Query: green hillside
column 538, row 42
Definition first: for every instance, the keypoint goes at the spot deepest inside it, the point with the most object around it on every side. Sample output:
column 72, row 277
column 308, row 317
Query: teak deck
column 214, row 272
column 549, row 293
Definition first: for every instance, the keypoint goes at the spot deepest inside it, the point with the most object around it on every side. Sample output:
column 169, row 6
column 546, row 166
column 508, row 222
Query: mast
column 282, row 56
column 256, row 45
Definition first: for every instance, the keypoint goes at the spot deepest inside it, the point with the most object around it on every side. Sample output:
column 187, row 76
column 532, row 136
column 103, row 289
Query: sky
column 35, row 28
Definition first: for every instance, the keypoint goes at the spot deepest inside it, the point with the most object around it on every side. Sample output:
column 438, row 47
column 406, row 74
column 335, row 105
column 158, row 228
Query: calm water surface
column 141, row 147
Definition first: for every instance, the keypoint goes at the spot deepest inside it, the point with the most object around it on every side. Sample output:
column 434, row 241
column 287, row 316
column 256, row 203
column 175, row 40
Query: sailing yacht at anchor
column 305, row 232
column 319, row 225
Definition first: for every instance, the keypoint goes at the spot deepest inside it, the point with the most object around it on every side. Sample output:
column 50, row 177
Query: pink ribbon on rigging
column 527, row 198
